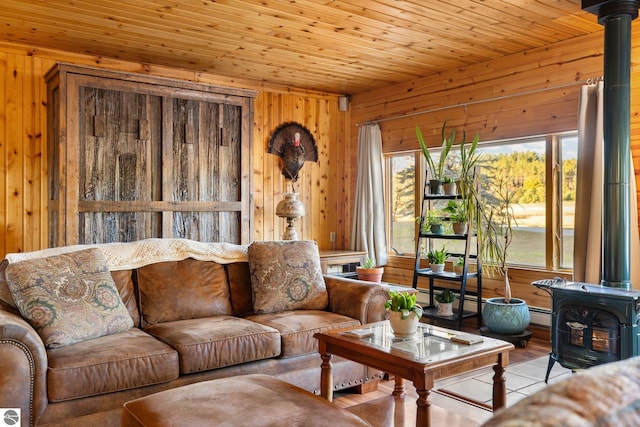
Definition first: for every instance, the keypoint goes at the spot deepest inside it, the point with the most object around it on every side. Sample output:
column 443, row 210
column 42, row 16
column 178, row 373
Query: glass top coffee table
column 433, row 353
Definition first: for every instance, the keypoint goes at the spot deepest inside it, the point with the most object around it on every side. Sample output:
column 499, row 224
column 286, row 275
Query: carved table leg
column 326, row 376
column 499, row 387
column 398, row 390
column 423, row 387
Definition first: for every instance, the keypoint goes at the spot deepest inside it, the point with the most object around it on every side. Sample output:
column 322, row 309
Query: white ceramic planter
column 445, row 308
column 437, row 268
column 403, row 327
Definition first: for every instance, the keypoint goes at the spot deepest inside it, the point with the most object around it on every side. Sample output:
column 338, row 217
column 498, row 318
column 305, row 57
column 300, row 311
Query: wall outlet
column 332, row 236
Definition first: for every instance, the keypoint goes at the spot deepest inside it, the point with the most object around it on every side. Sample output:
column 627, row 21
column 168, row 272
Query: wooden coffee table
column 430, row 355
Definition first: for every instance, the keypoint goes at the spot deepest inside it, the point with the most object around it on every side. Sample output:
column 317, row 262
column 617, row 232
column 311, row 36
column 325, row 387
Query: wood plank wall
column 327, row 187
column 524, row 103
column 23, row 189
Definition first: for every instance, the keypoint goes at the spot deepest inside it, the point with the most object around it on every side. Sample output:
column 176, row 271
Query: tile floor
column 523, row 379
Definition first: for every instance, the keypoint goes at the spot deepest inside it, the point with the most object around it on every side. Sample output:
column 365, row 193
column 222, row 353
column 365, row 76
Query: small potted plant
column 404, row 312
column 458, row 266
column 433, row 223
column 436, row 259
column 368, row 271
column 449, row 186
column 458, row 213
column 445, row 301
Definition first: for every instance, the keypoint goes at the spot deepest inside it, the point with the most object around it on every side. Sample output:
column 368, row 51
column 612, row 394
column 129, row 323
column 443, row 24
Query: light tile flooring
column 523, row 379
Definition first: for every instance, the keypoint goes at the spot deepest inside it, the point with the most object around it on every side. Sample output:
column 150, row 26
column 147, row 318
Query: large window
column 401, row 174
column 540, row 170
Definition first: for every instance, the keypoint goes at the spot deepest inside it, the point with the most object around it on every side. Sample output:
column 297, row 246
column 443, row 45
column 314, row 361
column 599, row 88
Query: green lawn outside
column 528, row 247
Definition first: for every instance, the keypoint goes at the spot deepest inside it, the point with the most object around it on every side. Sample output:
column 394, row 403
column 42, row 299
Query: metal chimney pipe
column 616, row 16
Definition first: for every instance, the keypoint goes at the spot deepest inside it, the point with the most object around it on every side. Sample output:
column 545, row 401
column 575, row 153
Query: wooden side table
column 340, row 262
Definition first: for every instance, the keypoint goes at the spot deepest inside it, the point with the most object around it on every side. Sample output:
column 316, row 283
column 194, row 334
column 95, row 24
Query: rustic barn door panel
column 117, row 163
column 143, row 160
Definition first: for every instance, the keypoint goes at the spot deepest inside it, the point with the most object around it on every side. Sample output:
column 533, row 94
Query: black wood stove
column 594, row 324
column 591, row 324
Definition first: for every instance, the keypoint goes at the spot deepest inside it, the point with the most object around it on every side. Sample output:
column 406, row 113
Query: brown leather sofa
column 175, row 341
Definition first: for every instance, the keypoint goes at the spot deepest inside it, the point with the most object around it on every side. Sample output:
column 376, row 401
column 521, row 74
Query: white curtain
column 368, row 229
column 587, row 246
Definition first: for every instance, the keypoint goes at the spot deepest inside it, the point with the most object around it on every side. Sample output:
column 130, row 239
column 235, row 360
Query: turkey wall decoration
column 294, row 144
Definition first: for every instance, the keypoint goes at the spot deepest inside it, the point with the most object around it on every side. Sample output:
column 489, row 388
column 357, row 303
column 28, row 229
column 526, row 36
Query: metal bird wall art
column 294, row 144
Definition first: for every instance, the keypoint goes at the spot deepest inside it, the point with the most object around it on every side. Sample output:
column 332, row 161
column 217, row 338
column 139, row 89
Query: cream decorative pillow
column 68, row 298
column 286, row 275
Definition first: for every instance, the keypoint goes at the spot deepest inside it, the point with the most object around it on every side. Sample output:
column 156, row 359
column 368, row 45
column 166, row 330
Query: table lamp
column 291, row 209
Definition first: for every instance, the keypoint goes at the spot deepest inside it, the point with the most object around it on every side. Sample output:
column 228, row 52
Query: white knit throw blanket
column 125, row 256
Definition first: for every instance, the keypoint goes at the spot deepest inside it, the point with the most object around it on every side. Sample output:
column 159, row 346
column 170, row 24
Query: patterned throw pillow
column 286, row 275
column 68, row 298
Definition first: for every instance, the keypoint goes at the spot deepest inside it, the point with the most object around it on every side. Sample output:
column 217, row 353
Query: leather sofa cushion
column 111, row 363
column 240, row 288
column 179, row 290
column 237, row 401
column 298, row 327
column 217, row 341
column 6, row 299
column 124, row 283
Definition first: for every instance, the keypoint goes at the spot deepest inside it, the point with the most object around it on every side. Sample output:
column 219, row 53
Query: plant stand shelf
column 438, row 281
column 431, row 312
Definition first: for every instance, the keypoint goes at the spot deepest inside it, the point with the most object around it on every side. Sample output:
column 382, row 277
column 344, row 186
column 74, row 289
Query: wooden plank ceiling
column 334, row 46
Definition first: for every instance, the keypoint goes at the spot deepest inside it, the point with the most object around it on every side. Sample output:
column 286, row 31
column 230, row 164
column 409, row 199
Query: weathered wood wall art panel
column 119, row 162
column 146, row 158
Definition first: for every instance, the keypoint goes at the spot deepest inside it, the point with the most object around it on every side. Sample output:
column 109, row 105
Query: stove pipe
column 616, row 16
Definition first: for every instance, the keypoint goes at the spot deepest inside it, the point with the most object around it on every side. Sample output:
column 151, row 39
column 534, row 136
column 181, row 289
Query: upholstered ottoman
column 255, row 400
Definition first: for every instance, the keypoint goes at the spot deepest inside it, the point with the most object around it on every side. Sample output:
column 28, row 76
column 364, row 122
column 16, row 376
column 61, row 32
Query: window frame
column 553, row 195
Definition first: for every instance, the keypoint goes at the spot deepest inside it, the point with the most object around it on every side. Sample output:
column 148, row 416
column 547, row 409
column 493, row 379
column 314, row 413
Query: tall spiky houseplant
column 436, row 170
column 469, row 158
column 496, row 233
column 504, row 316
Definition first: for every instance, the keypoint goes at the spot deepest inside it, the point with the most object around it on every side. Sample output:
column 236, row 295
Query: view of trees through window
column 522, row 166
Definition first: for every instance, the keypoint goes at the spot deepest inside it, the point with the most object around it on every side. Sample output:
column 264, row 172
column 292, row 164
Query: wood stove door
column 586, row 336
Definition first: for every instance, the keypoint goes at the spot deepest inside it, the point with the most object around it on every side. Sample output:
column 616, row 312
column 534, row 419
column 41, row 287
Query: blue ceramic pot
column 506, row 319
column 437, row 229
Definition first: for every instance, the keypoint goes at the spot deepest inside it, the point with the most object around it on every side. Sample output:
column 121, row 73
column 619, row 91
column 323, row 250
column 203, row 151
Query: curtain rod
column 589, row 81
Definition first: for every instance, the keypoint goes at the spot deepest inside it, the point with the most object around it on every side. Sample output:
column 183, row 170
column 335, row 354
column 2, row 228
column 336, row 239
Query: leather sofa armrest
column 356, row 299
column 23, row 356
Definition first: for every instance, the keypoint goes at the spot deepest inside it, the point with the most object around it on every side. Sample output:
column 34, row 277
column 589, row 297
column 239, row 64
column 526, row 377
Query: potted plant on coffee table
column 368, row 271
column 445, row 301
column 501, row 315
column 436, row 258
column 404, row 312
